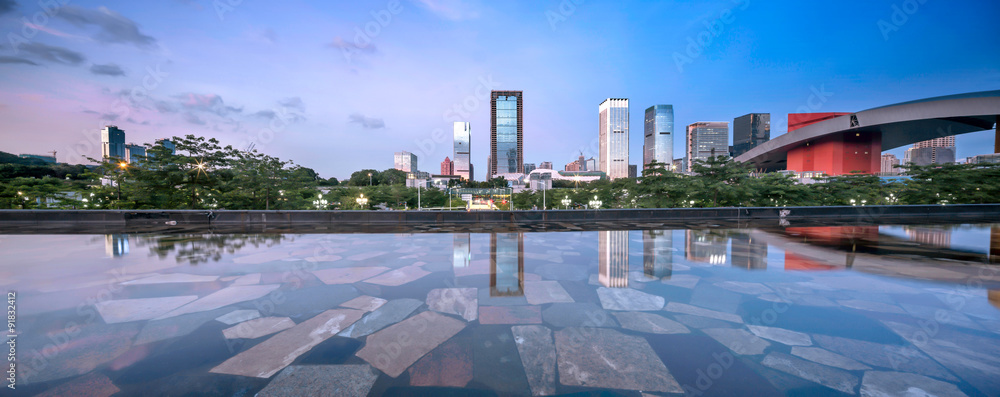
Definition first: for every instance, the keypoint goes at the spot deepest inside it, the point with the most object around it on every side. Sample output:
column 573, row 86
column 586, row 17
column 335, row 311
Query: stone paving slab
column 395, row 278
column 608, row 359
column 463, row 302
column 170, row 278
column 537, row 350
column 738, row 340
column 510, row 315
column 879, row 384
column 650, row 323
column 449, row 365
column 577, row 315
column 396, row 348
column 542, row 292
column 322, row 380
column 348, row 275
column 238, row 316
column 629, row 299
column 277, row 352
column 684, row 308
column 224, row 297
column 833, row 378
column 780, row 335
column 365, row 303
column 390, row 313
column 125, row 310
column 258, row 327
column 828, row 358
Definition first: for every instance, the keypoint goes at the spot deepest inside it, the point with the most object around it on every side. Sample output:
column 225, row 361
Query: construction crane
column 54, row 156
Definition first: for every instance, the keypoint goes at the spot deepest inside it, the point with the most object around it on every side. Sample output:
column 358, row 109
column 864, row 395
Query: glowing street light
column 362, row 201
column 566, row 201
column 369, row 179
column 595, row 203
column 320, row 203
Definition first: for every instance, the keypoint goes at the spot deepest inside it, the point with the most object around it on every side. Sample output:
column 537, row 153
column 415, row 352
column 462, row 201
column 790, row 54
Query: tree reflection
column 202, row 248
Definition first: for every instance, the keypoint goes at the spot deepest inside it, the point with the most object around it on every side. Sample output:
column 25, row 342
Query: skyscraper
column 706, row 139
column 405, row 161
column 463, row 150
column 932, row 151
column 658, row 144
column 506, row 264
column 614, row 137
column 528, row 167
column 545, row 165
column 749, row 131
column 889, row 163
column 134, row 153
column 612, row 260
column 657, row 253
column 112, row 142
column 506, row 133
column 447, row 167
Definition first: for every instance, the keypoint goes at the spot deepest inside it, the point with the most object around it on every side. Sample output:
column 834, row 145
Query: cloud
column 7, row 6
column 53, row 54
column 210, row 103
column 16, row 60
column 164, row 107
column 107, row 70
column 112, row 27
column 104, row 116
column 286, row 116
column 455, row 10
column 294, row 103
column 193, row 119
column 133, row 121
column 369, row 123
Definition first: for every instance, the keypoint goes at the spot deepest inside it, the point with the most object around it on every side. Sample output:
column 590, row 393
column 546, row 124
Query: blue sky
column 295, row 78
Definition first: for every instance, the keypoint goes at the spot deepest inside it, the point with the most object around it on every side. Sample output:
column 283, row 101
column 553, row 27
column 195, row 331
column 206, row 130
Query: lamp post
column 362, row 201
column 595, row 203
column 566, row 201
column 320, row 203
column 369, row 179
column 122, row 165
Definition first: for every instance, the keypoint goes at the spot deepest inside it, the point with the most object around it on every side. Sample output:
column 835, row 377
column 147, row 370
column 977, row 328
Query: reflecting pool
column 789, row 311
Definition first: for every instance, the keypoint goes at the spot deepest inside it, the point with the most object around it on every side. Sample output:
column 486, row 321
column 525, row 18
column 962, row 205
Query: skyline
column 229, row 72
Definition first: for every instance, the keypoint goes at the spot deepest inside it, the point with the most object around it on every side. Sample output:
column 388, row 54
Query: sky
column 339, row 86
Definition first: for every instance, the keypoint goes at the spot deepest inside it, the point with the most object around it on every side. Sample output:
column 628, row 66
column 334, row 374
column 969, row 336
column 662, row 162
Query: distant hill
column 10, row 158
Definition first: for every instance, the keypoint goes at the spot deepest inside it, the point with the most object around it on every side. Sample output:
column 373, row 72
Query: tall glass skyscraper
column 659, row 136
column 463, row 150
column 506, row 264
column 405, row 161
column 614, row 137
column 706, row 139
column 506, row 133
column 612, row 259
column 749, row 131
column 112, row 142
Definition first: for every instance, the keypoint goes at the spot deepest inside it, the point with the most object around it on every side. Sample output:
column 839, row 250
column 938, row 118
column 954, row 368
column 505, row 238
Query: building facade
column 613, row 258
column 506, row 133
column 985, row 159
column 112, row 142
column 405, row 161
column 134, row 153
column 463, row 150
column 658, row 253
column 528, row 167
column 889, row 163
column 658, row 143
column 706, row 139
column 633, row 171
column 447, row 167
column 749, row 131
column 545, row 165
column 613, row 136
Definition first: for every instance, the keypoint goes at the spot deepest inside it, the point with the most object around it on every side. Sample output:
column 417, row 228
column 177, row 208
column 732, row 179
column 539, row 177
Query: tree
column 722, row 181
column 392, row 176
column 364, row 178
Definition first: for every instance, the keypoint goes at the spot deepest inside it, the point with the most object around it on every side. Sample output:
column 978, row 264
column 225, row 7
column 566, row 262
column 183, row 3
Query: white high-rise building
column 405, row 161
column 614, row 137
column 658, row 144
column 463, row 150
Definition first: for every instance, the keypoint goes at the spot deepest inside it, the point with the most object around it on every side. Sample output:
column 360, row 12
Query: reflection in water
column 748, row 253
column 799, row 262
column 200, row 248
column 705, row 246
column 994, row 296
column 116, row 245
column 937, row 237
column 995, row 244
column 837, row 236
column 461, row 251
column 613, row 258
column 506, row 264
column 657, row 253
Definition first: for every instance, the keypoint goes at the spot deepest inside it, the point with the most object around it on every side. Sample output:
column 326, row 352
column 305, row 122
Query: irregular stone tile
column 224, row 297
column 826, row 376
column 738, row 340
column 324, row 258
column 250, row 279
column 879, row 384
column 902, row 358
column 92, row 385
column 449, row 365
column 538, row 357
column 399, row 276
column 497, row 363
column 44, row 357
column 348, row 275
column 261, row 257
column 172, row 278
column 174, row 327
column 702, row 322
column 272, row 355
column 780, row 335
column 390, row 313
column 628, row 299
column 238, row 316
column 510, row 315
column 745, row 288
column 366, row 255
column 486, row 300
column 678, row 307
column 125, row 310
column 871, row 306
column 973, row 357
column 257, row 328
column 681, row 280
column 395, row 348
column 563, row 272
column 542, row 292
column 826, row 357
column 302, row 303
column 577, row 315
column 650, row 323
column 608, row 359
column 459, row 301
column 322, row 380
column 365, row 303
column 943, row 316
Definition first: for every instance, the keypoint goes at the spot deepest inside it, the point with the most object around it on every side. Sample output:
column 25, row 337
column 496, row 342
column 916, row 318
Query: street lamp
column 121, row 165
column 369, row 179
column 362, row 201
column 320, row 203
column 566, row 201
column 595, row 203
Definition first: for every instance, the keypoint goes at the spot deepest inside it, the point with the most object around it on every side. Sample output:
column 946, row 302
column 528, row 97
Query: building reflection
column 748, row 253
column 613, row 258
column 705, row 247
column 506, row 264
column 935, row 237
column 799, row 262
column 462, row 251
column 658, row 253
column 837, row 236
column 995, row 245
column 116, row 245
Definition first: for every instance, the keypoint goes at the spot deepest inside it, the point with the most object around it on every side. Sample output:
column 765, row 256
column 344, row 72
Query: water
column 766, row 312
